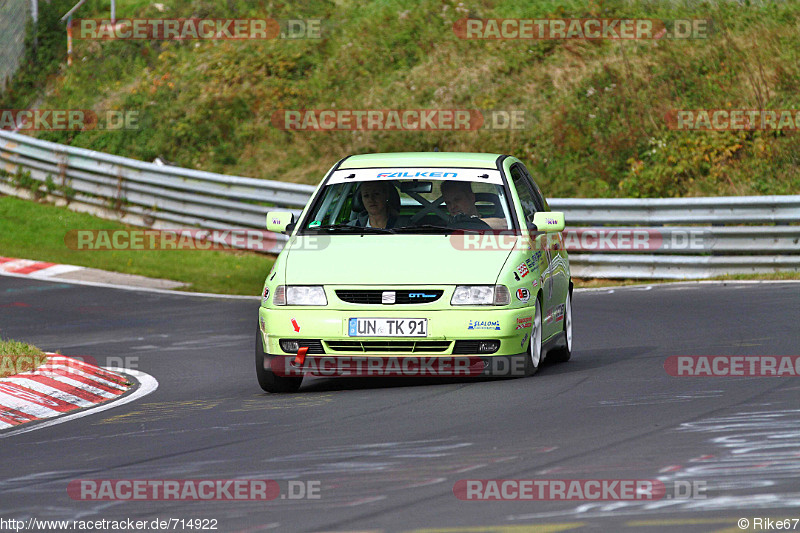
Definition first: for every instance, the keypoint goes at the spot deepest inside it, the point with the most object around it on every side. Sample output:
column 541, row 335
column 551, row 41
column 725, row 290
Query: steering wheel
column 462, row 221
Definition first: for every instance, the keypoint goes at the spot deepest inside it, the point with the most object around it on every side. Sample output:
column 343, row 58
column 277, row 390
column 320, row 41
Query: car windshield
column 388, row 201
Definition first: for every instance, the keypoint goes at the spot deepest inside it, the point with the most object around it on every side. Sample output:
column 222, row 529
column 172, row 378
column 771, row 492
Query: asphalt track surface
column 386, row 453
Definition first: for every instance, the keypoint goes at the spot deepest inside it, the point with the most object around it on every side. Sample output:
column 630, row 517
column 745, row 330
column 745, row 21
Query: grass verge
column 36, row 231
column 16, row 357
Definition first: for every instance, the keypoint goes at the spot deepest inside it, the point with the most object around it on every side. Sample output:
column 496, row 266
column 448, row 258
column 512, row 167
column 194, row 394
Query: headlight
column 481, row 295
column 299, row 295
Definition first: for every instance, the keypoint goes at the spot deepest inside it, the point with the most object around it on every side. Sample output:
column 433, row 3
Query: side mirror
column 549, row 221
column 280, row 221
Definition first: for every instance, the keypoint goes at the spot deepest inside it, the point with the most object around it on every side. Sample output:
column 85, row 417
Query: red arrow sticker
column 295, row 325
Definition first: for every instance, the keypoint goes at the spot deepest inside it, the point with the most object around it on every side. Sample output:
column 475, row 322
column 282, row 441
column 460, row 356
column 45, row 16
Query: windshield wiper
column 346, row 228
column 423, row 228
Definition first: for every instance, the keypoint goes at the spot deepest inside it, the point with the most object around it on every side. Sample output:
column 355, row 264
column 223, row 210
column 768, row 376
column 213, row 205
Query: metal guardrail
column 714, row 240
column 156, row 193
column 611, row 238
column 657, row 211
column 630, row 266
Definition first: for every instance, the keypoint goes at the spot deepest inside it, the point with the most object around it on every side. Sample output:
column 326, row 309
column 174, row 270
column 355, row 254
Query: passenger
column 381, row 203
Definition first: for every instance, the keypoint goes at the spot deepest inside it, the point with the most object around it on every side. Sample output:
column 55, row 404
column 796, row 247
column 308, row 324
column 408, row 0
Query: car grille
column 375, row 297
column 404, row 346
column 465, row 347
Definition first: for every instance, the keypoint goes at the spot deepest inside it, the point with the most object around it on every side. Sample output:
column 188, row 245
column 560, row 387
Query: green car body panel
column 421, row 262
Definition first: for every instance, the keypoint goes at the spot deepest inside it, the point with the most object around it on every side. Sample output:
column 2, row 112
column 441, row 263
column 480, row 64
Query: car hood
column 388, row 259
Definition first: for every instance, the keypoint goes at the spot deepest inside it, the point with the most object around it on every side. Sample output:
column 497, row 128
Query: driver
column 460, row 200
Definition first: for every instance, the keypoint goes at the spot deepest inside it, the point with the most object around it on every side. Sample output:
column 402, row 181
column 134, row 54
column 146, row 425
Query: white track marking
column 28, row 407
column 77, row 384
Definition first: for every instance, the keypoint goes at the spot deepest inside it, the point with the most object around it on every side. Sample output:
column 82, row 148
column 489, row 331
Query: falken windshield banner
column 480, row 175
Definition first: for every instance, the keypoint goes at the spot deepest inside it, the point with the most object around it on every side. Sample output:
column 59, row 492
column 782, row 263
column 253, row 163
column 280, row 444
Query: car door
column 557, row 264
column 540, row 253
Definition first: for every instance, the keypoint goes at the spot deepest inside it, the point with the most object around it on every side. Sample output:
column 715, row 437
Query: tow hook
column 300, row 358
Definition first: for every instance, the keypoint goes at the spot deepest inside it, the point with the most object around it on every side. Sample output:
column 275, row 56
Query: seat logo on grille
column 388, row 297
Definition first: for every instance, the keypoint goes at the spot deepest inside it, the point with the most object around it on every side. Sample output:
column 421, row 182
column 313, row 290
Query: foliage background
column 599, row 106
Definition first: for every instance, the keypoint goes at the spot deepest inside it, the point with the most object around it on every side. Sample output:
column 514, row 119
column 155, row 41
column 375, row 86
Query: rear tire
column 562, row 355
column 534, row 357
column 266, row 378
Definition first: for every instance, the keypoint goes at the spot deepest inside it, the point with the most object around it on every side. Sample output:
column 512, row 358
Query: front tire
column 266, row 378
column 534, row 357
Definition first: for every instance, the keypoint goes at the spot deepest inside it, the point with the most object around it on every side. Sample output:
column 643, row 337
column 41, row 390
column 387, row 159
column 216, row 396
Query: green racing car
column 416, row 264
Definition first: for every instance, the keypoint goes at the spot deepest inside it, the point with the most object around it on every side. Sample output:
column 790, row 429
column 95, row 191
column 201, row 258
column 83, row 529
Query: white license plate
column 387, row 327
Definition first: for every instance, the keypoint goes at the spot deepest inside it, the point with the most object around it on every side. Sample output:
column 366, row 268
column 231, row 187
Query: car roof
column 422, row 159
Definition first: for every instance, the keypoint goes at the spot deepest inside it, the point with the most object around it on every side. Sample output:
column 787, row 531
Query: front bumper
column 451, row 332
